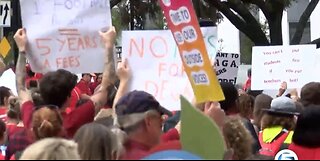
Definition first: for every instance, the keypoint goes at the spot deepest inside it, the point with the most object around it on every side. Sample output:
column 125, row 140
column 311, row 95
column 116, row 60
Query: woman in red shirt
column 5, row 94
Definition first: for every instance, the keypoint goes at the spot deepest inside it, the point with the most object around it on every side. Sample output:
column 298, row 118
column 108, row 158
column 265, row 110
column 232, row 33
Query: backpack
column 272, row 148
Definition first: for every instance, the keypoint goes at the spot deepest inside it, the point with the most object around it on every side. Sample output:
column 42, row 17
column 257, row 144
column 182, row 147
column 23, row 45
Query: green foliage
column 141, row 9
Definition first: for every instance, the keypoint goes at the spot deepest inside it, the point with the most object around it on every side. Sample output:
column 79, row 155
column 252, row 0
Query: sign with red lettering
column 183, row 23
column 272, row 65
column 158, row 69
column 63, row 34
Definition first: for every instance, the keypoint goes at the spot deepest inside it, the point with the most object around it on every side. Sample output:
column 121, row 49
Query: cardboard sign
column 63, row 34
column 5, row 13
column 199, row 134
column 158, row 69
column 273, row 65
column 183, row 23
column 8, row 79
column 227, row 65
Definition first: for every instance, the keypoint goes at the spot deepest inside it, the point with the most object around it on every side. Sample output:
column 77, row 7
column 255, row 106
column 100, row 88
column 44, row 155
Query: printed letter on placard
column 186, row 31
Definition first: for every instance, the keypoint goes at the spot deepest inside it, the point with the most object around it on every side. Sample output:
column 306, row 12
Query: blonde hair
column 46, row 122
column 51, row 149
column 97, row 142
column 238, row 138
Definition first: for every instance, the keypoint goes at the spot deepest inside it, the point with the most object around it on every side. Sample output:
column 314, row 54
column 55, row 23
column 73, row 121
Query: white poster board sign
column 8, row 79
column 156, row 64
column 272, row 65
column 63, row 34
column 5, row 13
column 227, row 66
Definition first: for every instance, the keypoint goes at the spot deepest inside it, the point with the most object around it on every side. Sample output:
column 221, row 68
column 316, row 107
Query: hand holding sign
column 109, row 37
column 124, row 71
column 214, row 111
column 21, row 39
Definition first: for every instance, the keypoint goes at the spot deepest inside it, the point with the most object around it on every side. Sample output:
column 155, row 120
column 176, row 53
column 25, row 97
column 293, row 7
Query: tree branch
column 233, row 18
column 114, row 3
column 254, row 32
column 303, row 22
column 262, row 5
column 316, row 41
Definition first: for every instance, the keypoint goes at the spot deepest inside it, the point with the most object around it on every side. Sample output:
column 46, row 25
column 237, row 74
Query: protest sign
column 63, row 34
column 157, row 67
column 183, row 23
column 194, row 124
column 227, row 65
column 273, row 65
column 7, row 79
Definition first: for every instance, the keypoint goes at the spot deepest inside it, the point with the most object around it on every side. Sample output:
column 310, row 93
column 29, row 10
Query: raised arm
column 124, row 74
column 21, row 40
column 109, row 75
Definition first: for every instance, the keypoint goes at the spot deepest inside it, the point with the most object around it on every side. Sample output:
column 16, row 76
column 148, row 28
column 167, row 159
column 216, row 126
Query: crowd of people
column 56, row 117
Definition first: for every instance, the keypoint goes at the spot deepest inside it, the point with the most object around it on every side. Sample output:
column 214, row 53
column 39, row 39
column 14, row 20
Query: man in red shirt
column 140, row 116
column 56, row 87
column 84, row 84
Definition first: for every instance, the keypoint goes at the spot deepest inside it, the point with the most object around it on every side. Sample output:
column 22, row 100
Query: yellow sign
column 4, row 47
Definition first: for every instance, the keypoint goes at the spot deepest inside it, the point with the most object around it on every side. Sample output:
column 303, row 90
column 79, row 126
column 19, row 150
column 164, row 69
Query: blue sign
column 172, row 155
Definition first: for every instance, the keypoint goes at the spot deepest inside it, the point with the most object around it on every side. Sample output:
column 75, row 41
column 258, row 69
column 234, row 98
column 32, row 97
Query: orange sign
column 185, row 28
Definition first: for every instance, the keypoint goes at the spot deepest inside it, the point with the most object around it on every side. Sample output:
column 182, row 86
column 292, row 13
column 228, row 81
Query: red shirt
column 13, row 129
column 135, row 151
column 3, row 113
column 305, row 153
column 93, row 86
column 84, row 87
column 71, row 122
column 2, row 157
column 171, row 135
column 75, row 97
column 247, row 85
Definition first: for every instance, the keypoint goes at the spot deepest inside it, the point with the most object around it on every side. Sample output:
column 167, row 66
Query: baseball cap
column 139, row 102
column 131, row 108
column 283, row 105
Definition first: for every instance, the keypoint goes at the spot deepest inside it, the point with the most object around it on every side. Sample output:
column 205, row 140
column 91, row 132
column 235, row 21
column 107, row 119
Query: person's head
column 246, row 103
column 261, row 102
column 36, row 97
column 307, row 131
column 249, row 73
column 32, row 84
column 2, row 132
column 87, row 77
column 99, row 78
column 96, row 142
column 56, row 87
column 29, row 72
column 47, row 122
column 237, row 138
column 5, row 93
column 52, row 149
column 281, row 113
column 230, row 104
column 140, row 116
column 14, row 109
column 310, row 94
